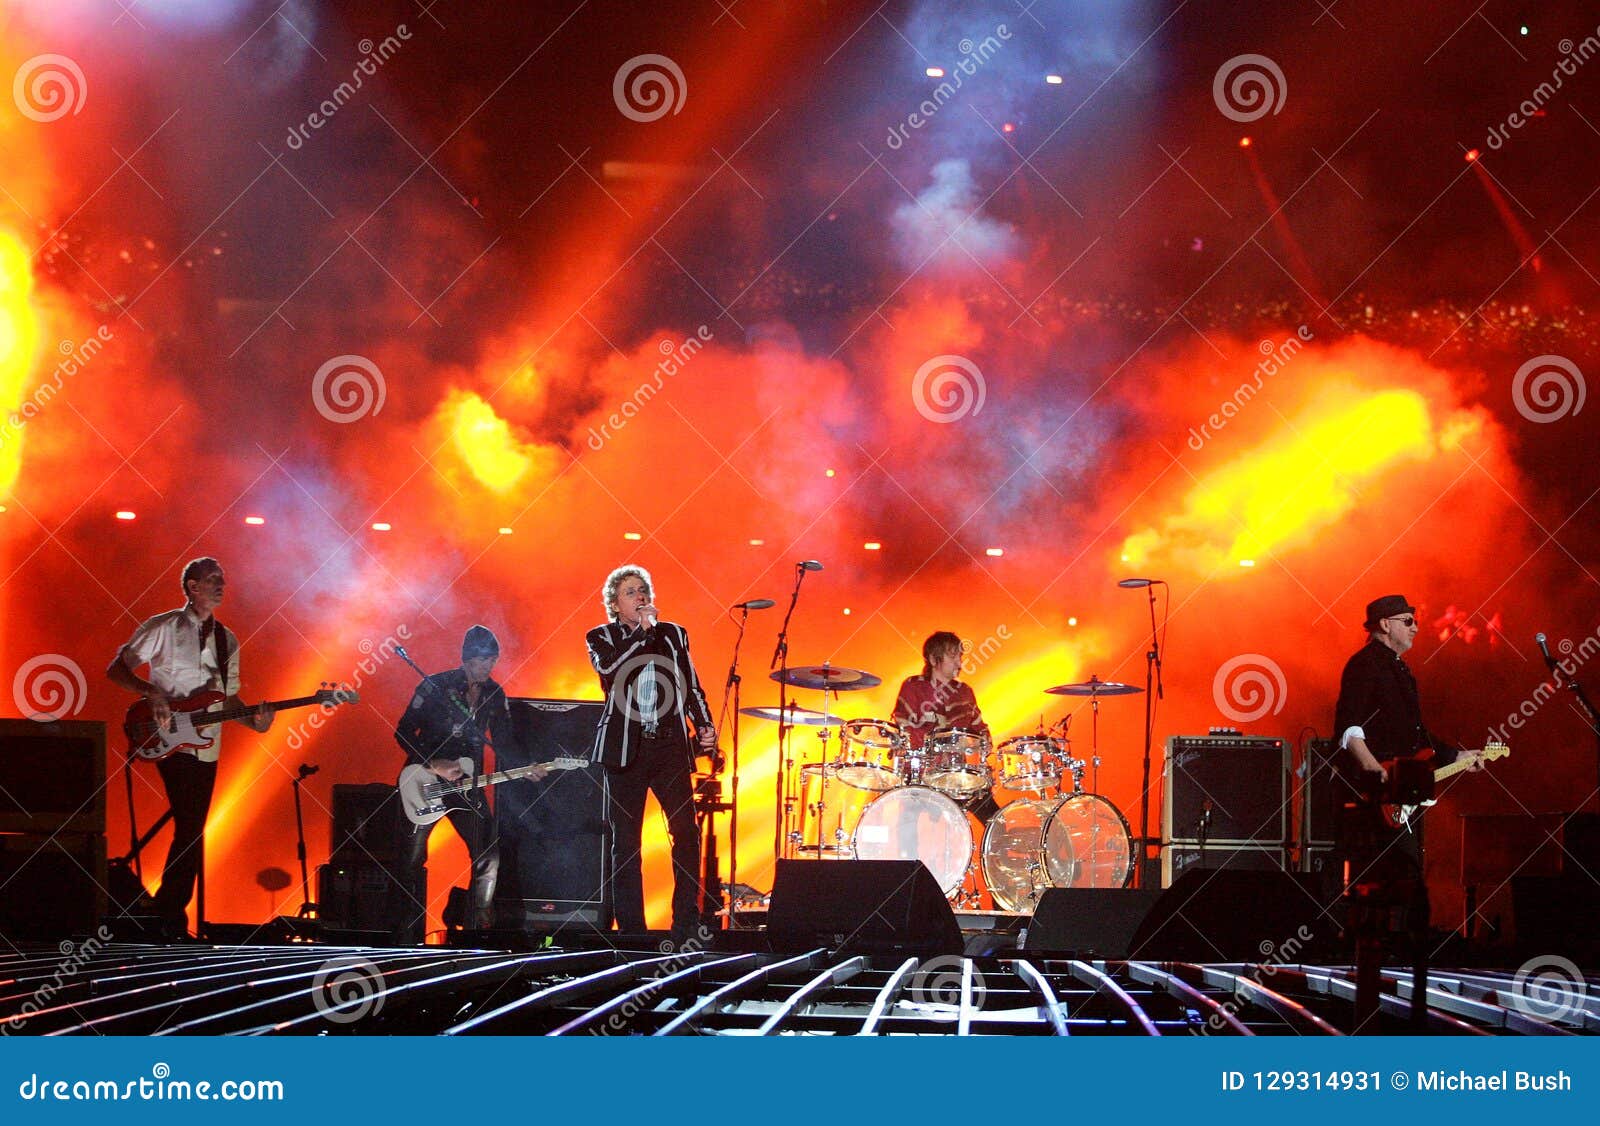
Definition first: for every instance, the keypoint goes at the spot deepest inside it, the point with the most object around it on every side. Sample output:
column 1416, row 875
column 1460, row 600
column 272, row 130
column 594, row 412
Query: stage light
column 1008, row 127
column 2, row 508
column 830, row 473
column 255, row 521
column 758, row 543
column 1245, row 142
column 1247, row 562
column 380, row 526
column 994, row 552
column 124, row 514
column 1473, row 154
column 1072, row 621
column 934, row 72
column 872, row 545
column 1523, row 30
column 633, row 536
column 1053, row 79
column 505, row 531
column 847, row 611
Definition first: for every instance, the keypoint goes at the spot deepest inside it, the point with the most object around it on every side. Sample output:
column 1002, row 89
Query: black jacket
column 620, row 655
column 1378, row 694
column 434, row 725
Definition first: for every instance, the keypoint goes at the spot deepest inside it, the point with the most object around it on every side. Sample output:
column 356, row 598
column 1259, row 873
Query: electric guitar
column 1399, row 816
column 423, row 793
column 151, row 742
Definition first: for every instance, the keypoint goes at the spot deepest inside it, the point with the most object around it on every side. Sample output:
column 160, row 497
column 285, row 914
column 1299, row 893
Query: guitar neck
column 1489, row 754
column 226, row 714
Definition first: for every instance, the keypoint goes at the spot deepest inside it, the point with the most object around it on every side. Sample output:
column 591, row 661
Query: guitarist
column 449, row 719
column 187, row 650
column 1378, row 720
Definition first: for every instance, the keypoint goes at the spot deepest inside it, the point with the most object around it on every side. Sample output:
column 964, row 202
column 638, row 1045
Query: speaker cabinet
column 1178, row 859
column 1240, row 782
column 861, row 906
column 54, row 885
column 355, row 897
column 1231, row 915
column 366, row 825
column 53, row 776
column 1324, row 794
column 1088, row 922
column 554, row 839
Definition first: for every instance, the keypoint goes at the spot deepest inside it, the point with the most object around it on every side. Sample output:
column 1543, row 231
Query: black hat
column 1389, row 606
column 480, row 641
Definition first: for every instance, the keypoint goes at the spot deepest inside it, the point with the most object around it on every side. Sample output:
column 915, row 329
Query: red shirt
column 922, row 708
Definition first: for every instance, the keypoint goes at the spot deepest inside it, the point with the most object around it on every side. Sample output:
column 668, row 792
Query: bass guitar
column 151, row 742
column 423, row 793
column 1399, row 816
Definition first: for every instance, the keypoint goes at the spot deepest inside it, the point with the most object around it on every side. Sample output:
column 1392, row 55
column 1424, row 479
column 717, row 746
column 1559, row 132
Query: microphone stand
column 308, row 909
column 1152, row 688
column 733, row 686
column 780, row 660
column 1566, row 680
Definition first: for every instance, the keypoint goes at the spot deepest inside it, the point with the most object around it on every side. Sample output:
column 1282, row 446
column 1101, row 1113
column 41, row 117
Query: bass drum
column 1080, row 841
column 917, row 823
column 1087, row 844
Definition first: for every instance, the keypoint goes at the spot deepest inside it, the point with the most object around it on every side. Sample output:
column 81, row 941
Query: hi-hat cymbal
column 803, row 717
column 1094, row 686
column 831, row 677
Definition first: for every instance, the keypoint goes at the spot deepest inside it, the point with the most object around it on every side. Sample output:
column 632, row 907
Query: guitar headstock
column 336, row 694
column 1492, row 751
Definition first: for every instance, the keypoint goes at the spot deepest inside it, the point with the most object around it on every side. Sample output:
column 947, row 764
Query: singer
column 652, row 694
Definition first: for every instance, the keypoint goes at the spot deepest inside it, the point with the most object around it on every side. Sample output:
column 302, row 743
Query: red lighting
column 1245, row 142
column 1473, row 154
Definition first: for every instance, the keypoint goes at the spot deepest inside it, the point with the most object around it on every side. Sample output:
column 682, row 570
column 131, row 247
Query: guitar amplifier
column 52, row 776
column 355, row 897
column 1241, row 780
column 1324, row 793
column 554, row 832
column 366, row 825
column 54, row 885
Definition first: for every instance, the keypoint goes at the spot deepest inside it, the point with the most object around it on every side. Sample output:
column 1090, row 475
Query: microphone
column 307, row 770
column 1544, row 647
column 1135, row 584
column 755, row 604
column 809, row 565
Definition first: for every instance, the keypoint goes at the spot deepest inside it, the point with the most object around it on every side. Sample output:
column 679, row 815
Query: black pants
column 1389, row 864
column 475, row 824
column 663, row 767
column 189, row 783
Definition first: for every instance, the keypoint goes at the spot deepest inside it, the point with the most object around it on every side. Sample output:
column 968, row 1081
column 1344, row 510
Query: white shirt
column 170, row 644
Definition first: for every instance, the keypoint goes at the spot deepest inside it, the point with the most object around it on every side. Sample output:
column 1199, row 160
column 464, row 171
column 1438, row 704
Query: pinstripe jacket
column 621, row 656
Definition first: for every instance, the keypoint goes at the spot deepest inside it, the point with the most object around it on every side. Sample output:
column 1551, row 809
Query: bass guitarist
column 187, row 651
column 1378, row 720
column 448, row 720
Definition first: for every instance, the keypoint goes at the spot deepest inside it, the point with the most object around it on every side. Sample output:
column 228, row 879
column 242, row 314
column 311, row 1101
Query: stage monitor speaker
column 861, row 906
column 52, row 776
column 1242, row 781
column 1237, row 916
column 53, row 885
column 355, row 897
column 554, row 839
column 366, row 825
column 1088, row 922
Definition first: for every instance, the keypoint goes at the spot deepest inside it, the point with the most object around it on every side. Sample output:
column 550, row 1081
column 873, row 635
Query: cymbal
column 831, row 677
column 1094, row 686
column 798, row 716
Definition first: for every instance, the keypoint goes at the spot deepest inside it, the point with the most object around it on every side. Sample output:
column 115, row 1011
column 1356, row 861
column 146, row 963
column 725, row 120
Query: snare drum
column 829, row 811
column 868, row 753
column 916, row 823
column 1029, row 762
column 954, row 762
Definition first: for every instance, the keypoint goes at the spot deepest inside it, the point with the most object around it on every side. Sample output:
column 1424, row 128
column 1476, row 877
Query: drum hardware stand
column 783, row 804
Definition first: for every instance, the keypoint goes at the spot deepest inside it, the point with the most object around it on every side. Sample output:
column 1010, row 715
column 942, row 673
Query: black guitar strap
column 220, row 635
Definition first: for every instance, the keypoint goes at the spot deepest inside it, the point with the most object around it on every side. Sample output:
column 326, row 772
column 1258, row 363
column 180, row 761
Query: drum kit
column 1009, row 820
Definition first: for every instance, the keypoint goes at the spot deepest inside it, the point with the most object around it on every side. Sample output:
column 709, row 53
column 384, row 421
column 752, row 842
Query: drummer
column 937, row 699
